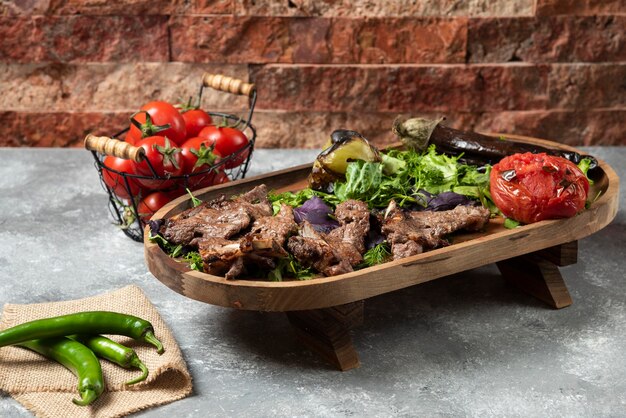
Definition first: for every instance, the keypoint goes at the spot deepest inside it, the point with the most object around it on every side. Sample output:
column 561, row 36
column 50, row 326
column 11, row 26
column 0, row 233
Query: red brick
column 229, row 39
column 83, row 39
column 579, row 7
column 110, row 87
column 585, row 86
column 31, row 129
column 455, row 88
column 548, row 39
column 116, row 8
column 396, row 8
column 576, row 128
column 317, row 40
column 402, row 40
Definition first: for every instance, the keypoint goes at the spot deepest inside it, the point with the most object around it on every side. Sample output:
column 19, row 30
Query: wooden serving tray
column 323, row 309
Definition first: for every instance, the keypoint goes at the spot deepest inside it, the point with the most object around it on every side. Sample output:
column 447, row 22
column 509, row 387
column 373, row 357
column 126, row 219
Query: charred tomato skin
column 532, row 187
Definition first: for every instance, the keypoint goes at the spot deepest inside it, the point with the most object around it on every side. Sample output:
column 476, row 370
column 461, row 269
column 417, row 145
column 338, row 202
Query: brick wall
column 549, row 68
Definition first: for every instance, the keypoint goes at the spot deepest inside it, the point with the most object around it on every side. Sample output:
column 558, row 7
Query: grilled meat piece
column 348, row 239
column 413, row 232
column 342, row 248
column 312, row 250
column 264, row 242
column 354, row 220
column 219, row 218
column 277, row 228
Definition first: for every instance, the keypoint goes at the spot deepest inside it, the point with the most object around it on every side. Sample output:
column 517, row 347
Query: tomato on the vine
column 152, row 203
column 166, row 160
column 533, row 187
column 228, row 141
column 160, row 114
column 195, row 121
column 200, row 158
column 115, row 182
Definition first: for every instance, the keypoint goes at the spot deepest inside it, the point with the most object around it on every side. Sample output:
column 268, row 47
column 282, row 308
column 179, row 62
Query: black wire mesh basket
column 125, row 196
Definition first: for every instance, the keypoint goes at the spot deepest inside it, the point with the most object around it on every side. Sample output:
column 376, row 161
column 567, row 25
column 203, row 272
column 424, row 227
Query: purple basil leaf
column 155, row 226
column 448, row 201
column 316, row 212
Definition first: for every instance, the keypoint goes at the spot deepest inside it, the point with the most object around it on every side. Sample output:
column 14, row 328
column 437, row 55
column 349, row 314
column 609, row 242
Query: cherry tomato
column 161, row 113
column 115, row 181
column 200, row 157
column 227, row 142
column 166, row 160
column 533, row 187
column 221, row 178
column 153, row 202
column 195, row 121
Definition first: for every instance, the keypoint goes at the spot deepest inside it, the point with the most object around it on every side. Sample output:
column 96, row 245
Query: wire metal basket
column 121, row 187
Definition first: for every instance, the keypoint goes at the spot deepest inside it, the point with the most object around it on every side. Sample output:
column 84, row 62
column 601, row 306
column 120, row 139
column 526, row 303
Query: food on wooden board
column 532, row 187
column 413, row 232
column 344, row 146
column 363, row 207
column 240, row 237
column 476, row 148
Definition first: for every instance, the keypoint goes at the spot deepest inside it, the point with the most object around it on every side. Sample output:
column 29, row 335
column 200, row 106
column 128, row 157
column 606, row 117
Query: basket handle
column 228, row 84
column 114, row 147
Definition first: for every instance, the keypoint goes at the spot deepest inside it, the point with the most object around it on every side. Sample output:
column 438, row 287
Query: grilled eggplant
column 477, row 149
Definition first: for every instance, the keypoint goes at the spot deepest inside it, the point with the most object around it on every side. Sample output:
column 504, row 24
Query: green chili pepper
column 115, row 352
column 96, row 322
column 77, row 358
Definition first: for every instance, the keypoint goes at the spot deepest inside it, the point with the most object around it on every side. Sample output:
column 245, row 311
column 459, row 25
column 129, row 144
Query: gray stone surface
column 465, row 345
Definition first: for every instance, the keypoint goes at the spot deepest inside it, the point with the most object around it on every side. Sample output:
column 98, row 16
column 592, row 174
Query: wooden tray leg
column 538, row 273
column 326, row 332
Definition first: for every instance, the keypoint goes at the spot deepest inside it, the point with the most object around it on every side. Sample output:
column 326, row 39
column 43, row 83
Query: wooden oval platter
column 467, row 251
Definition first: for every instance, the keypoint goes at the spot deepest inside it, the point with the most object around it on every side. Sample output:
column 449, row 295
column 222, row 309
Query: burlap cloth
column 47, row 388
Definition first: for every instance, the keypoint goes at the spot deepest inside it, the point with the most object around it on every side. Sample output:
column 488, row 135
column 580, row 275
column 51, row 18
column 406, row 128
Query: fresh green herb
column 414, row 171
column 297, row 199
column 171, row 249
column 377, row 255
column 195, row 260
column 289, row 267
column 289, row 198
column 589, row 202
column 194, row 200
column 392, row 165
column 511, row 223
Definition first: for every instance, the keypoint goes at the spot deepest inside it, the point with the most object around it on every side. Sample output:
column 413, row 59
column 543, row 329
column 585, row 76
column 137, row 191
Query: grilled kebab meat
column 219, row 218
column 215, row 228
column 232, row 235
column 260, row 246
column 413, row 232
column 342, row 248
